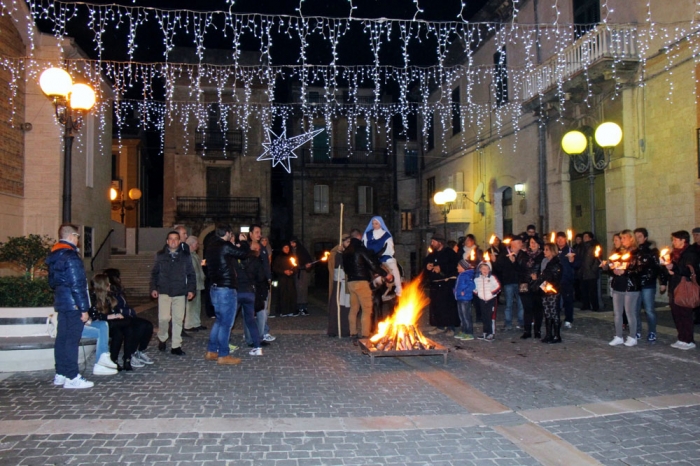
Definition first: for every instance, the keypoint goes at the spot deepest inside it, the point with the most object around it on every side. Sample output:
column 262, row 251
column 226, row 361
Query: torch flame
column 506, row 241
column 492, row 239
column 487, row 258
column 597, row 251
column 430, row 250
column 293, row 261
column 569, row 234
column 625, row 256
column 326, row 255
column 664, row 252
column 548, row 288
column 614, row 257
column 472, row 256
column 552, row 237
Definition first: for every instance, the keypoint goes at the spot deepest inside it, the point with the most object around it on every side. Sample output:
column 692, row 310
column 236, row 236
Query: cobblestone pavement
column 315, row 400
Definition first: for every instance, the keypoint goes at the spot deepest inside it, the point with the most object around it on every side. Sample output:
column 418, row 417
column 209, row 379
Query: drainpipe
column 541, row 142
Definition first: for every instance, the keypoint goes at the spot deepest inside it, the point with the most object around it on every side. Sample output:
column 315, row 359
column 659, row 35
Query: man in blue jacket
column 71, row 302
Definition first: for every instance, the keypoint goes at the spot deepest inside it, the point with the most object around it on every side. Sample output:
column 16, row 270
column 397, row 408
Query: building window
column 456, row 114
column 507, row 204
column 430, row 191
column 410, row 162
column 321, row 199
column 365, row 196
column 431, row 132
column 586, row 16
column 500, row 77
column 406, row 220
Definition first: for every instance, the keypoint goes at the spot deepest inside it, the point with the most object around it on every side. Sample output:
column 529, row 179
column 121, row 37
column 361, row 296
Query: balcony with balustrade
column 344, row 156
column 606, row 51
column 218, row 208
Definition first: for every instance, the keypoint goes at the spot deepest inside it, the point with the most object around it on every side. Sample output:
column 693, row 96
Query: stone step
column 135, row 271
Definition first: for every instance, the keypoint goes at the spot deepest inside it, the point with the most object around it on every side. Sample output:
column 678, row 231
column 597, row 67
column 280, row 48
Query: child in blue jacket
column 464, row 292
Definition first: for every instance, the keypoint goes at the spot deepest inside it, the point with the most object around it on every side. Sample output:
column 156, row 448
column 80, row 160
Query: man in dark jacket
column 649, row 272
column 71, row 302
column 569, row 263
column 510, row 272
column 441, row 271
column 360, row 266
column 590, row 273
column 173, row 282
column 302, row 276
column 221, row 258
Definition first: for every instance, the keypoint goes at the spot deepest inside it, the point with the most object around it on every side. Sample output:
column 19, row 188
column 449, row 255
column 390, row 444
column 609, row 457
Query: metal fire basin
column 365, row 345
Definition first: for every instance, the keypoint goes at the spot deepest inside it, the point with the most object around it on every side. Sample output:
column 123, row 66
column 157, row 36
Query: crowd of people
column 535, row 280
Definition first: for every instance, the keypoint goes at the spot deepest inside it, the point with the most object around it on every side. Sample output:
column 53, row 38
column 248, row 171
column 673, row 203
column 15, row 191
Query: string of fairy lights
column 240, row 87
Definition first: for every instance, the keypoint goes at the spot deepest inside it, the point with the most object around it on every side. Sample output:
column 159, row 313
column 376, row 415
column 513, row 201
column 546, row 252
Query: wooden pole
column 337, row 291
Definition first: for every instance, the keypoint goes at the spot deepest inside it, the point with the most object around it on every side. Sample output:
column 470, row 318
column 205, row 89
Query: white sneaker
column 631, row 341
column 567, row 324
column 685, row 346
column 99, row 369
column 106, row 361
column 59, row 379
column 78, row 382
column 678, row 344
column 143, row 357
column 617, row 341
column 136, row 362
column 256, row 352
column 268, row 337
column 690, row 345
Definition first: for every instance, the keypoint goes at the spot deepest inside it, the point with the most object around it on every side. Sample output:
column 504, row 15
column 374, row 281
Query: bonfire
column 400, row 332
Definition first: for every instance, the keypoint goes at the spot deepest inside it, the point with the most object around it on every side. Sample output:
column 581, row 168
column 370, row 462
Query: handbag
column 687, row 293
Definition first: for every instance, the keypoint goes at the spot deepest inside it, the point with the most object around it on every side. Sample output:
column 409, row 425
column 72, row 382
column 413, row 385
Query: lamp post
column 444, row 200
column 607, row 135
column 118, row 201
column 70, row 102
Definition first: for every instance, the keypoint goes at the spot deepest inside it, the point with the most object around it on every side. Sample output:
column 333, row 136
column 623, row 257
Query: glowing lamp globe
column 55, row 82
column 82, row 97
column 574, row 142
column 439, row 198
column 449, row 195
column 113, row 194
column 134, row 194
column 608, row 135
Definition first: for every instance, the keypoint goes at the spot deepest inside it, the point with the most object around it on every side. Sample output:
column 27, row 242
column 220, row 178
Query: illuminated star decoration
column 281, row 149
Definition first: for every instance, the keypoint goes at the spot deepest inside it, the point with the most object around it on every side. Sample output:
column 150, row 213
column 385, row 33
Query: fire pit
column 398, row 335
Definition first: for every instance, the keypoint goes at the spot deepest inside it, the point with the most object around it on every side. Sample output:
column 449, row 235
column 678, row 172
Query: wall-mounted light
column 520, row 189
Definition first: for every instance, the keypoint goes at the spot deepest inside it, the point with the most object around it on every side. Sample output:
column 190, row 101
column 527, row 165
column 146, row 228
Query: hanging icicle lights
column 454, row 63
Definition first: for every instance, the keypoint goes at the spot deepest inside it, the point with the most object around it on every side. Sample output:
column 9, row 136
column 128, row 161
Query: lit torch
column 325, row 257
column 597, row 252
column 472, row 255
column 552, row 237
column 293, row 261
column 492, row 239
column 507, row 243
column 487, row 258
column 548, row 288
column 664, row 256
column 569, row 236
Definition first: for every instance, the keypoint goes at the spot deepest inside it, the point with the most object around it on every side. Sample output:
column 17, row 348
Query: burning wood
column 399, row 331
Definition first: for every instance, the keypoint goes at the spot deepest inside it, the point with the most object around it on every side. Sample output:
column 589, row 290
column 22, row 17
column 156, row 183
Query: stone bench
column 25, row 344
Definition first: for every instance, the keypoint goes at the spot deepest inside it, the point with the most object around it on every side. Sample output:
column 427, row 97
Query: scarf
column 677, row 253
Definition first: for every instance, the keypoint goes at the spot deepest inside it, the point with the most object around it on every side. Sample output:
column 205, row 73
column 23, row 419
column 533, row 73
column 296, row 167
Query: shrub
column 25, row 292
column 26, row 252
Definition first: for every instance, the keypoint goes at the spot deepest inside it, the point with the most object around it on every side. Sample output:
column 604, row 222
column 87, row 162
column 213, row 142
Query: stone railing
column 613, row 42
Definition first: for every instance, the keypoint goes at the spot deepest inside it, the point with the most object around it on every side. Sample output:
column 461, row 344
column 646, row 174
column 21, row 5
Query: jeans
column 625, row 301
column 464, row 308
column 261, row 321
column 511, row 293
column 566, row 291
column 98, row 329
column 66, row 347
column 225, row 305
column 647, row 297
column 247, row 302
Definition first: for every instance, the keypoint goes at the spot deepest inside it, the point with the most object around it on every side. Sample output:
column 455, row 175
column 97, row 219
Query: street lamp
column 607, row 135
column 444, row 200
column 118, row 201
column 70, row 102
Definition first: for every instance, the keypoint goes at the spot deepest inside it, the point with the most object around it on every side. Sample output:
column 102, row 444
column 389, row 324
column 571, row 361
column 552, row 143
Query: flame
column 430, row 250
column 614, row 257
column 401, row 326
column 506, row 241
column 548, row 288
column 472, row 256
column 326, row 255
column 293, row 261
column 492, row 239
column 569, row 235
column 487, row 258
column 625, row 257
column 552, row 237
column 664, row 252
column 597, row 251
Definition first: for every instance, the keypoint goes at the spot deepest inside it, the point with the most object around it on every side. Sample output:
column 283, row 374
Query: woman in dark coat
column 286, row 287
column 532, row 302
column 678, row 268
column 551, row 274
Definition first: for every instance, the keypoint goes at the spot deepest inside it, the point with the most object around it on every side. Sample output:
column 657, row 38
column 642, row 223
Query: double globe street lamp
column 444, row 200
column 71, row 101
column 607, row 136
